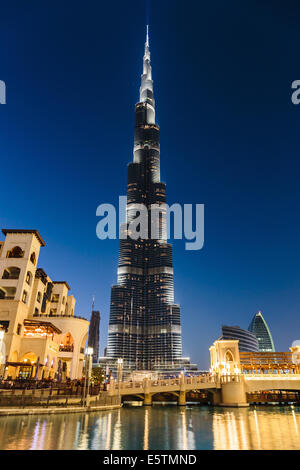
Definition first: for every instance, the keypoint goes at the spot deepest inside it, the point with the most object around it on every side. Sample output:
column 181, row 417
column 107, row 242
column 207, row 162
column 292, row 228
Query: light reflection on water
column 156, row 428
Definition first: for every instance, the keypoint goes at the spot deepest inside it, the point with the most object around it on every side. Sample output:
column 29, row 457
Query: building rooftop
column 62, row 282
column 5, row 231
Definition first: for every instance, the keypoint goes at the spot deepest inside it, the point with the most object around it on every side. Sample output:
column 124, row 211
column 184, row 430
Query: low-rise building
column 42, row 336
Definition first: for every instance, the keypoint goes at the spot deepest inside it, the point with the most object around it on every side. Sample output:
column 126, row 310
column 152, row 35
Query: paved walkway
column 10, row 411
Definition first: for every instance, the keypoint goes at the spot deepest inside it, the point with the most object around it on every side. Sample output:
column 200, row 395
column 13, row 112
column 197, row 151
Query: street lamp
column 2, row 351
column 88, row 372
column 120, row 370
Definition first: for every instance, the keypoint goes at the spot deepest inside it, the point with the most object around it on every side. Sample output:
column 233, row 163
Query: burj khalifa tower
column 144, row 324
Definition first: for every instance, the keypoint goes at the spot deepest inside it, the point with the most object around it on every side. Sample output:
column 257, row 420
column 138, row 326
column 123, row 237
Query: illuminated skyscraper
column 144, row 325
column 93, row 339
column 259, row 327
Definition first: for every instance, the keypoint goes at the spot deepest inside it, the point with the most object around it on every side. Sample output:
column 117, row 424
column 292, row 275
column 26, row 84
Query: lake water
column 157, row 428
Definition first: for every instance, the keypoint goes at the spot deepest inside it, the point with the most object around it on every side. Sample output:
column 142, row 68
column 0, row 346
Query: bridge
column 178, row 387
column 233, row 376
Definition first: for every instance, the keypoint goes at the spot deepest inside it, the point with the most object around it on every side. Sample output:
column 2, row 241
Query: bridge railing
column 131, row 385
column 224, row 379
column 283, row 376
column 239, row 377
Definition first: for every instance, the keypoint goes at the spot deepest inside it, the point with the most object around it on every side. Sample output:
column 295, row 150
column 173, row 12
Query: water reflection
column 260, row 428
column 146, row 430
column 157, row 428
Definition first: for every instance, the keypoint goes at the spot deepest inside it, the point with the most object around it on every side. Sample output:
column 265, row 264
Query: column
column 182, row 398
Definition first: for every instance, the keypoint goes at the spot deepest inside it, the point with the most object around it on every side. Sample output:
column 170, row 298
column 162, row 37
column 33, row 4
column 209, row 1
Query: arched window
column 36, row 312
column 7, row 293
column 33, row 258
column 39, row 297
column 11, row 273
column 15, row 252
column 24, row 297
column 229, row 356
column 67, row 343
column 28, row 277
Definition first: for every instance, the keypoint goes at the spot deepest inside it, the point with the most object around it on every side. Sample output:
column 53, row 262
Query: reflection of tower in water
column 146, row 430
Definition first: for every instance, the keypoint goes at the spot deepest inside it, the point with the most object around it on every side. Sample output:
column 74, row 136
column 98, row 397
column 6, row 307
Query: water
column 157, row 428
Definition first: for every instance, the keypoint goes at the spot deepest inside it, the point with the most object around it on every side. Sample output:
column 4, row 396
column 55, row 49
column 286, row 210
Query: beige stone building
column 42, row 336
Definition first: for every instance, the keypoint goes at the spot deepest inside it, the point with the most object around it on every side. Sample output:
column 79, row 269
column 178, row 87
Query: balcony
column 66, row 348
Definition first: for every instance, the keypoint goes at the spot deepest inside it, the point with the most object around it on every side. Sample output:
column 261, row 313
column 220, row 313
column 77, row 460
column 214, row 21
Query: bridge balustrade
column 225, row 379
column 193, row 381
column 289, row 376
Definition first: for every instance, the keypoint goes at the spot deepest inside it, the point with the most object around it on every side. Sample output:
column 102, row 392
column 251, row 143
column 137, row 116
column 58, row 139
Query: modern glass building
column 144, row 325
column 247, row 340
column 93, row 339
column 259, row 327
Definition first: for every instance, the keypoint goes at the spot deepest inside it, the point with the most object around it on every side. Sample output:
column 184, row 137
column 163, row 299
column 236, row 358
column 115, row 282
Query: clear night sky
column 229, row 139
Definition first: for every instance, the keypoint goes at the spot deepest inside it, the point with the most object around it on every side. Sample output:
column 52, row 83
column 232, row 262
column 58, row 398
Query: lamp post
column 120, row 371
column 88, row 373
column 2, row 352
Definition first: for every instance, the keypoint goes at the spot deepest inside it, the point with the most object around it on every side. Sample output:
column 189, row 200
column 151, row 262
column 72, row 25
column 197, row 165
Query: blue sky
column 229, row 139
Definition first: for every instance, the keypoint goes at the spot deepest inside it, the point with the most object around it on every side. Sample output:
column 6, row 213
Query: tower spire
column 146, row 88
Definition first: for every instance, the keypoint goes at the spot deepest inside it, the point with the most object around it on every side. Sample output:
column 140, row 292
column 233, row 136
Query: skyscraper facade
column 247, row 340
column 259, row 327
column 93, row 339
column 144, row 325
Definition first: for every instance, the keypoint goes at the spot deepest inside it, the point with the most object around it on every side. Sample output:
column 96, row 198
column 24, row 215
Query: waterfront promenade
column 38, row 397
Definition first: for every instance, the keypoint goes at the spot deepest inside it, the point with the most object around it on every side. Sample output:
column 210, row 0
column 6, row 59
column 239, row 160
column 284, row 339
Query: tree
column 97, row 375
